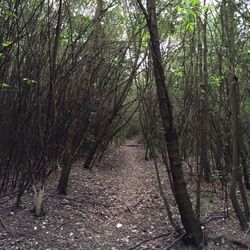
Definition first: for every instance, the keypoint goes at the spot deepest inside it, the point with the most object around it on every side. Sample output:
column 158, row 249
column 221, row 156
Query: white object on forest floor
column 118, row 225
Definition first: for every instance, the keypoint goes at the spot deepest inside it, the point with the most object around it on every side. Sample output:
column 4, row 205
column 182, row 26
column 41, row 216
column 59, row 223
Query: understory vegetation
column 79, row 79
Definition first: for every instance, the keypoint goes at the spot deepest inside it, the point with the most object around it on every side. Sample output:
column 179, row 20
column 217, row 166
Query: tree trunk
column 244, row 155
column 230, row 29
column 204, row 109
column 74, row 127
column 67, row 163
column 191, row 223
column 236, row 174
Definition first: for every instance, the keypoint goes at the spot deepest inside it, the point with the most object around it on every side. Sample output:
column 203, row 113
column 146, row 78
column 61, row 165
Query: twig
column 247, row 232
column 9, row 196
column 153, row 238
column 128, row 209
column 232, row 241
column 140, row 201
column 6, row 228
column 49, row 195
column 75, row 200
column 240, row 244
column 175, row 241
column 213, row 218
column 62, row 224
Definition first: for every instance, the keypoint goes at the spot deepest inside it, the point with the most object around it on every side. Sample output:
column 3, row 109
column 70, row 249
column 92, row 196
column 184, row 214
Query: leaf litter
column 116, row 205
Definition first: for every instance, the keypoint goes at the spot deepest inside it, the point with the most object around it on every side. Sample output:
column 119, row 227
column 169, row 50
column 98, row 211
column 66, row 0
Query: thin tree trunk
column 191, row 223
column 236, row 174
column 204, row 112
column 245, row 166
column 76, row 123
column 230, row 29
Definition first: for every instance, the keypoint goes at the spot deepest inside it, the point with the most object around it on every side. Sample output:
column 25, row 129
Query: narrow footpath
column 116, row 205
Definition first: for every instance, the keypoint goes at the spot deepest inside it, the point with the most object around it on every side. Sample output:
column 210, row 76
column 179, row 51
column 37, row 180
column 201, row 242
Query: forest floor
column 116, row 205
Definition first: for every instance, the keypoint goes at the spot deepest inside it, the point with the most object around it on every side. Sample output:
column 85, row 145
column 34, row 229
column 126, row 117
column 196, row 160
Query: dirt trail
column 138, row 212
column 114, row 206
column 131, row 178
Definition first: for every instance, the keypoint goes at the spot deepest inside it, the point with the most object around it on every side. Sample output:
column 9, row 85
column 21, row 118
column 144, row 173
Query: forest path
column 132, row 179
column 116, row 205
column 138, row 213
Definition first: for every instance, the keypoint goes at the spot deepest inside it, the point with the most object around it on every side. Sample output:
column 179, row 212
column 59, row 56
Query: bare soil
column 116, row 205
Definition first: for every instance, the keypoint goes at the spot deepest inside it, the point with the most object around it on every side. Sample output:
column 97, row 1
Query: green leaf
column 29, row 82
column 194, row 3
column 208, row 8
column 215, row 81
column 4, row 85
column 86, row 19
column 179, row 9
column 10, row 14
column 145, row 37
column 6, row 43
column 190, row 26
column 178, row 74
